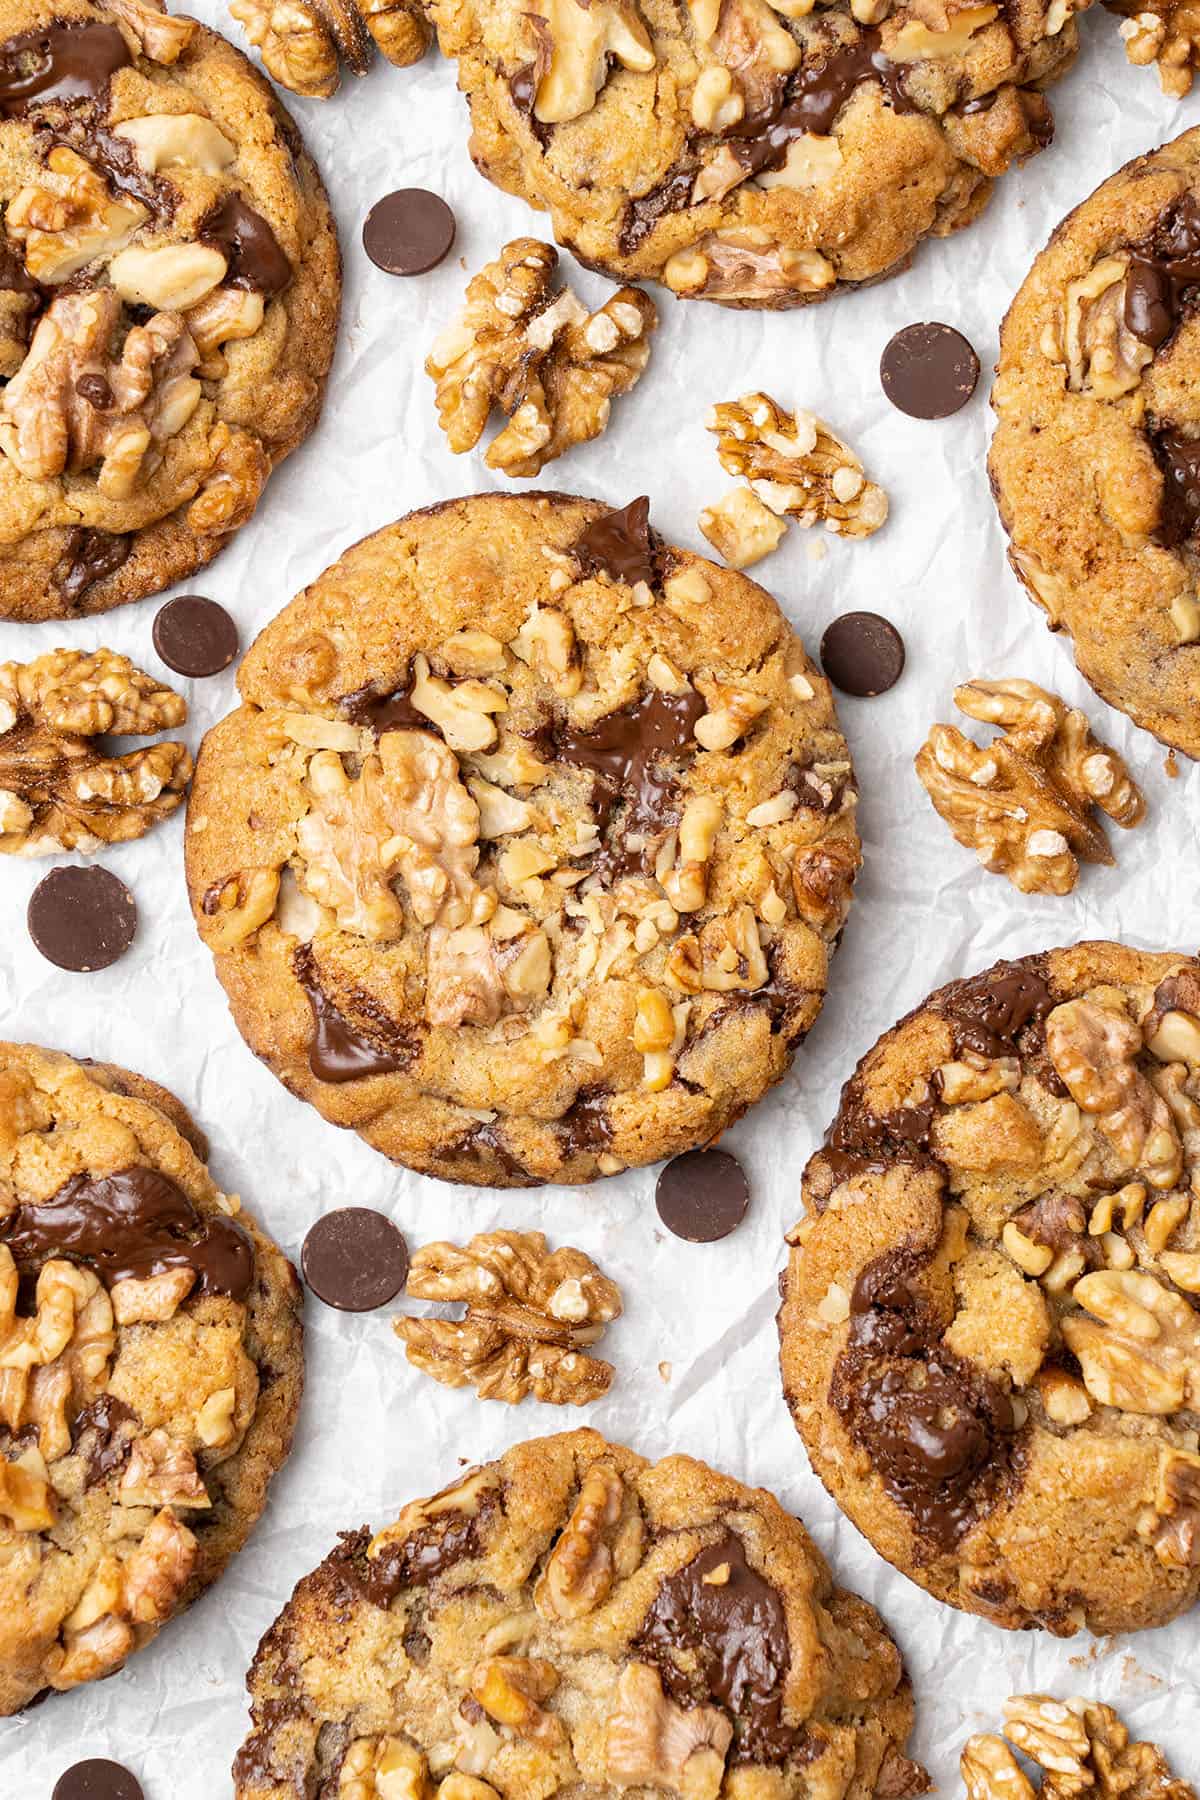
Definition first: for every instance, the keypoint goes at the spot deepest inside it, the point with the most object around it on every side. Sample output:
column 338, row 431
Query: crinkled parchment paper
column 373, row 1432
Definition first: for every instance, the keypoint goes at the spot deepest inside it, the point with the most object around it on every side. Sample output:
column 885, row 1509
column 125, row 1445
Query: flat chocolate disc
column 702, row 1196
column 97, row 1779
column 195, row 636
column 408, row 232
column 862, row 653
column 81, row 918
column 929, row 371
column 355, row 1259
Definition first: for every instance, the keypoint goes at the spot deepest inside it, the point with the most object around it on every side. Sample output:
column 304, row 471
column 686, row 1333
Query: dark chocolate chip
column 195, row 636
column 254, row 254
column 408, row 232
column 355, row 1259
column 702, row 1196
column 621, row 543
column 82, row 918
column 97, row 1779
column 70, row 64
column 862, row 653
column 929, row 371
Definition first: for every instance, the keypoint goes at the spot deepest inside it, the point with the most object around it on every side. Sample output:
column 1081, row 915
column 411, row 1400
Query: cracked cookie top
column 751, row 153
column 572, row 1619
column 528, row 846
column 150, row 1369
column 990, row 1330
column 169, row 289
column 1095, row 462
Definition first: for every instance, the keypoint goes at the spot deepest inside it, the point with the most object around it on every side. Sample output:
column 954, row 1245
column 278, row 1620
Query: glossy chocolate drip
column 938, row 1433
column 98, row 1431
column 393, row 711
column 1162, row 271
column 860, row 1139
column 63, row 63
column 129, row 1226
column 250, row 247
column 717, row 1632
column 523, row 87
column 672, row 195
column 814, row 97
column 620, row 543
column 421, row 1557
column 1179, row 459
column 626, row 751
column 339, row 1050
column 992, row 1013
column 90, row 556
column 587, row 1123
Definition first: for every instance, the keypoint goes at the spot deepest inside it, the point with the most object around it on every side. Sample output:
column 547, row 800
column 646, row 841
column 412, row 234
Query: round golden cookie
column 573, row 1619
column 169, row 293
column 150, row 1369
column 990, row 1333
column 1095, row 462
column 751, row 154
column 526, row 850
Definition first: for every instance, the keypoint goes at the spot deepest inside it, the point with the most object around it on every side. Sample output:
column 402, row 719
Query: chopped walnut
column 1079, row 1746
column 158, row 1569
column 236, row 477
column 1166, row 32
column 1095, row 1049
column 71, row 405
column 154, row 1297
column 1025, row 803
column 1103, row 356
column 650, row 1740
column 26, row 1499
column 66, row 227
column 602, row 1538
column 384, row 1768
column 143, row 1590
column 530, row 1316
column 55, row 1361
column 741, row 529
column 1172, row 1523
column 1138, row 1343
column 745, row 264
column 399, row 27
column 990, row 1771
column 583, row 40
column 796, row 465
column 510, row 1690
column 161, row 1471
column 234, row 909
column 297, row 46
column 158, row 34
column 58, row 791
column 538, row 355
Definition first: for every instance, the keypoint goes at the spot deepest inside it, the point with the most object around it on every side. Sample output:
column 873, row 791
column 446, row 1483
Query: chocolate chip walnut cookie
column 530, row 868
column 150, row 1369
column 169, row 290
column 573, row 1619
column 748, row 153
column 990, row 1332
column 1095, row 462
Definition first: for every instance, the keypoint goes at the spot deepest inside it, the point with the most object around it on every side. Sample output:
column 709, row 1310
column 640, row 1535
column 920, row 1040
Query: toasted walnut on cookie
column 573, row 1619
column 537, row 354
column 1025, row 802
column 1076, row 1744
column 58, row 790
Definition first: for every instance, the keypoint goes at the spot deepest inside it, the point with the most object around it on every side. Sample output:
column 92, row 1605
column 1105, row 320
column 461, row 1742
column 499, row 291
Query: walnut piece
column 1138, row 1342
column 741, row 529
column 602, row 1538
column 73, row 404
column 1166, row 32
column 158, row 34
column 1081, row 1746
column 58, row 791
column 537, row 354
column 1095, row 1049
column 1103, row 356
column 26, row 1498
column 1173, row 1523
column 583, row 40
column 796, row 465
column 648, row 1739
column 66, row 227
column 55, row 1361
column 1025, row 803
column 530, row 1316
column 300, row 42
column 510, row 1690
column 143, row 1590
column 746, row 264
column 161, row 1471
column 990, row 1771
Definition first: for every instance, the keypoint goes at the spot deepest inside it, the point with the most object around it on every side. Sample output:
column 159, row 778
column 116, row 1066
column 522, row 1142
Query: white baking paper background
column 695, row 1352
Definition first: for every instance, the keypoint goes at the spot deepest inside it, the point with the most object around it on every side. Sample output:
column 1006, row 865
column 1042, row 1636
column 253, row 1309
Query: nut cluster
column 1166, row 32
column 535, row 352
column 303, row 43
column 531, row 1317
column 1025, row 804
column 1078, row 1746
column 58, row 789
column 796, row 468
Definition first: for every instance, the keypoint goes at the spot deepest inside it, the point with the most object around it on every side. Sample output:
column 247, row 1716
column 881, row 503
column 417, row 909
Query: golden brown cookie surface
column 572, row 1619
column 1095, row 463
column 168, row 300
column 526, row 850
column 150, row 1369
column 990, row 1336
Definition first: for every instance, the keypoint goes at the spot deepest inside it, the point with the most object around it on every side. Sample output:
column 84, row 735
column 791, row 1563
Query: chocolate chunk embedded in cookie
column 1095, row 462
column 150, row 1369
column 573, row 1619
column 527, row 849
column 749, row 154
column 169, row 290
column 990, row 1333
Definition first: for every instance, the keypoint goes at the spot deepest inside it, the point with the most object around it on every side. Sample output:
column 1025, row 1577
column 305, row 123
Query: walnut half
column 1079, row 1746
column 530, row 1316
column 303, row 43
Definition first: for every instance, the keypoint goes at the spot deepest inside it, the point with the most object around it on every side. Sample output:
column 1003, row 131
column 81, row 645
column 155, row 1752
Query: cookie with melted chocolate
column 573, row 1619
column 749, row 155
column 531, row 868
column 158, row 1386
column 1095, row 462
column 989, row 1331
column 169, row 293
